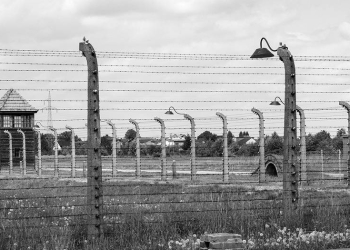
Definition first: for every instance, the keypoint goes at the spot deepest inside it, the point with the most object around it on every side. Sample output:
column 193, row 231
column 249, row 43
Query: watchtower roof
column 14, row 102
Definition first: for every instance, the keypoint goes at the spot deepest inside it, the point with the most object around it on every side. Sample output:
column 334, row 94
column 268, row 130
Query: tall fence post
column 94, row 164
column 114, row 148
column 193, row 147
column 303, row 166
column 10, row 152
column 225, row 149
column 138, row 153
column 163, row 159
column 347, row 107
column 24, row 152
column 55, row 166
column 73, row 149
column 262, row 177
column 290, row 169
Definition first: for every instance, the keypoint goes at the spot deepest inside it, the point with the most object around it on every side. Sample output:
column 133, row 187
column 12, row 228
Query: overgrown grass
column 51, row 214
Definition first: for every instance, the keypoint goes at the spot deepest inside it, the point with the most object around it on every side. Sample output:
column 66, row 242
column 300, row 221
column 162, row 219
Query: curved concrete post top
column 222, row 116
column 345, row 105
column 135, row 123
column 258, row 112
column 160, row 121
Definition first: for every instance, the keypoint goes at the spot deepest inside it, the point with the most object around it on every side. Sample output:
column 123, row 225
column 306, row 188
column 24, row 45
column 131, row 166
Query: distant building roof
column 246, row 140
column 14, row 102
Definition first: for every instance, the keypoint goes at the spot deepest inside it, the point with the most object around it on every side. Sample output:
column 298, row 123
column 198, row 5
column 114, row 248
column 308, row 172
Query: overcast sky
column 309, row 28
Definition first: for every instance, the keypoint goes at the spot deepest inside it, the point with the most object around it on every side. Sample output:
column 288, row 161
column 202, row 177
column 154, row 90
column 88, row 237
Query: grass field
column 49, row 213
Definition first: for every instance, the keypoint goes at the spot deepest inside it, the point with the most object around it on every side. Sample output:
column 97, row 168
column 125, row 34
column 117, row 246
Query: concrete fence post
column 114, row 148
column 55, row 166
column 10, row 152
column 24, row 159
column 163, row 159
column 262, row 177
column 138, row 153
column 72, row 136
column 347, row 107
column 303, row 166
column 225, row 149
column 94, row 159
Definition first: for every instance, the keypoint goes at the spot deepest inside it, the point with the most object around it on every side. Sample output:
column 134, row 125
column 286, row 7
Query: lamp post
column 193, row 140
column 290, row 170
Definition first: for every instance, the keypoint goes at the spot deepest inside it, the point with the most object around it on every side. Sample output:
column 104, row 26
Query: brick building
column 16, row 114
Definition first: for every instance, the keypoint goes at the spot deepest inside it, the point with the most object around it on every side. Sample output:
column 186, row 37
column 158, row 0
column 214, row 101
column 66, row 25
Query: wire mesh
column 37, row 210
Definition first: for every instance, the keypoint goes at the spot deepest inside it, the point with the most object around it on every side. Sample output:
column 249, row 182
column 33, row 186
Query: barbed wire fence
column 140, row 201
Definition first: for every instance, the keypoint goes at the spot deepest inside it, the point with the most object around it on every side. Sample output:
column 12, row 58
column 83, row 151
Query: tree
column 47, row 144
column 130, row 135
column 229, row 137
column 187, row 143
column 338, row 139
column 64, row 139
column 106, row 145
column 248, row 149
column 320, row 141
column 274, row 144
column 207, row 136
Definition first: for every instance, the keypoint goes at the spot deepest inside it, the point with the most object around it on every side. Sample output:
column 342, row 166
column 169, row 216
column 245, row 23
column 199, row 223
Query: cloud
column 344, row 29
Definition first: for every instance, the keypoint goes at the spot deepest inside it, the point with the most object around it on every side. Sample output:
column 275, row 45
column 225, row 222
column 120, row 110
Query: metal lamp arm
column 171, row 107
column 267, row 44
column 280, row 99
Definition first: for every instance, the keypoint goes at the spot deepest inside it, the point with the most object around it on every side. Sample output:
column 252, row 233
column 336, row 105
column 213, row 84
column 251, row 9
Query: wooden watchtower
column 16, row 114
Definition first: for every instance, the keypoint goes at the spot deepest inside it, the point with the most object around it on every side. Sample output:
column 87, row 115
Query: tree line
column 208, row 144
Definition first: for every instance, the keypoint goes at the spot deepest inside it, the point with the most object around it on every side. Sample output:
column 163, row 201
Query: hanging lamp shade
column 275, row 103
column 261, row 53
column 169, row 112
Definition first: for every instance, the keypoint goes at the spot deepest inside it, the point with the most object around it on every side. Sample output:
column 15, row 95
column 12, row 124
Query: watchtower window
column 27, row 121
column 8, row 122
column 18, row 121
